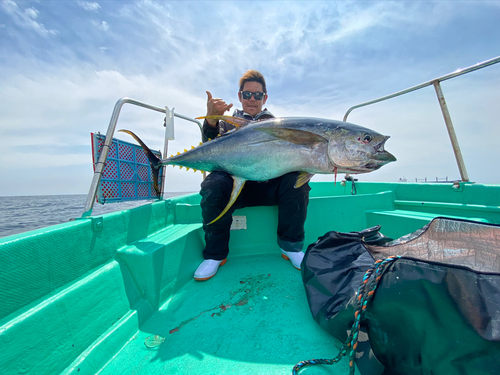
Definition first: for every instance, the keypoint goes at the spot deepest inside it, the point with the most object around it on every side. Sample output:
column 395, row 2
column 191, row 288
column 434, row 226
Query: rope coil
column 365, row 293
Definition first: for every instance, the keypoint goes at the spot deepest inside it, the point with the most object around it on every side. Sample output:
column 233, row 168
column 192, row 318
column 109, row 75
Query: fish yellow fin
column 303, row 179
column 238, row 184
column 236, row 121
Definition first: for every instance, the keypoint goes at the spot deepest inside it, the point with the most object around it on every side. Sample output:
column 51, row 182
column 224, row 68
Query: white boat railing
column 169, row 135
column 444, row 108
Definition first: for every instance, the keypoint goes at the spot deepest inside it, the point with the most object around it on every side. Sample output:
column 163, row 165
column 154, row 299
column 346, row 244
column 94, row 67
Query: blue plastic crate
column 127, row 174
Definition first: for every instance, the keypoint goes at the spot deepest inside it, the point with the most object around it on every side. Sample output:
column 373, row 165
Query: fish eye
column 367, row 138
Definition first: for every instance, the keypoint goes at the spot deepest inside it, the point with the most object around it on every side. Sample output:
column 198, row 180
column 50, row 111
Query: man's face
column 251, row 106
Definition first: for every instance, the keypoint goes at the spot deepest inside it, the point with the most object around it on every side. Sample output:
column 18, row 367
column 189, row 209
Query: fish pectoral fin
column 238, row 184
column 299, row 137
column 236, row 121
column 303, row 179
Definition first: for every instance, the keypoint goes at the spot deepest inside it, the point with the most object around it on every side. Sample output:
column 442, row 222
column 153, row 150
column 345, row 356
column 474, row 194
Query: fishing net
column 433, row 309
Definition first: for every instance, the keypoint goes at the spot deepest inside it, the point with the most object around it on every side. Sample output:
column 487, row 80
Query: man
column 216, row 188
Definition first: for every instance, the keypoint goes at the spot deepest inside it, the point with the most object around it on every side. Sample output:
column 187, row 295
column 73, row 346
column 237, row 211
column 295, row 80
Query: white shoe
column 293, row 256
column 207, row 269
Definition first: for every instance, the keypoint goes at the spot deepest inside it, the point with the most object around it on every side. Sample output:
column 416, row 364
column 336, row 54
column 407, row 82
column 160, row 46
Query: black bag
column 436, row 310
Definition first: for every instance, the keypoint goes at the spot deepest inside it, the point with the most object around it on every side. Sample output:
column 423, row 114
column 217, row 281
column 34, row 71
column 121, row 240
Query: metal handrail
column 457, row 73
column 89, row 204
column 436, row 83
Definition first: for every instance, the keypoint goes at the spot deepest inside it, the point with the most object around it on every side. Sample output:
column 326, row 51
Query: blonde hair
column 253, row 76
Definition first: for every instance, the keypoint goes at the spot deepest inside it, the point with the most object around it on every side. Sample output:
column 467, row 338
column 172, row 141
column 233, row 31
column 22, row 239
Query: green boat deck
column 249, row 319
column 82, row 297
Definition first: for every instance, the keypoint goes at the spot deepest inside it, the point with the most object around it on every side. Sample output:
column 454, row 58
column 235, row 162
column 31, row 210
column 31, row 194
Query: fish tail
column 154, row 161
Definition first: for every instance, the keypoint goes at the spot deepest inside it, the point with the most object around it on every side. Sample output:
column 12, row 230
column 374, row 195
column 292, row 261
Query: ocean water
column 22, row 214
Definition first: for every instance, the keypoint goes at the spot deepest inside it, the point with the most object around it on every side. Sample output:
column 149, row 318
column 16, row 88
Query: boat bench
column 151, row 266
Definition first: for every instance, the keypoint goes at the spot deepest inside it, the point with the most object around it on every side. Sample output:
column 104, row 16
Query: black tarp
column 436, row 310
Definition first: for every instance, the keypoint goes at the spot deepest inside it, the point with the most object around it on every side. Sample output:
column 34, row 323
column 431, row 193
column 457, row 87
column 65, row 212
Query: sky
column 64, row 65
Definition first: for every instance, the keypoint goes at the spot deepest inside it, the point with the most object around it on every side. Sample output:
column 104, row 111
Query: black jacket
column 223, row 126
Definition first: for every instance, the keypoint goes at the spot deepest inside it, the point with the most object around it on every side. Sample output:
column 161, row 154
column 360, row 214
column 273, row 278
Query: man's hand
column 216, row 107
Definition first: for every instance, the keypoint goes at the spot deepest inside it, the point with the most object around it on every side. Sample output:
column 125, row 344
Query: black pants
column 292, row 210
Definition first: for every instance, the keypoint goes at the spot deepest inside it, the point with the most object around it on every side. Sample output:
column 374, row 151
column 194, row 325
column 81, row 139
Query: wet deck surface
column 251, row 318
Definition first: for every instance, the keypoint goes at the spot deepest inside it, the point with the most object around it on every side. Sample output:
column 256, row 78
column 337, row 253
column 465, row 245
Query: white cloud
column 103, row 25
column 319, row 58
column 33, row 160
column 90, row 6
column 26, row 18
column 82, row 102
column 31, row 13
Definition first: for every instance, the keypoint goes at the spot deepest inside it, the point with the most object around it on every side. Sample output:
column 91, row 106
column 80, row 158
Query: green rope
column 365, row 294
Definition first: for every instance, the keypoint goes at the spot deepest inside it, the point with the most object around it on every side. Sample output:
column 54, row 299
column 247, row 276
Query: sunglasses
column 248, row 94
